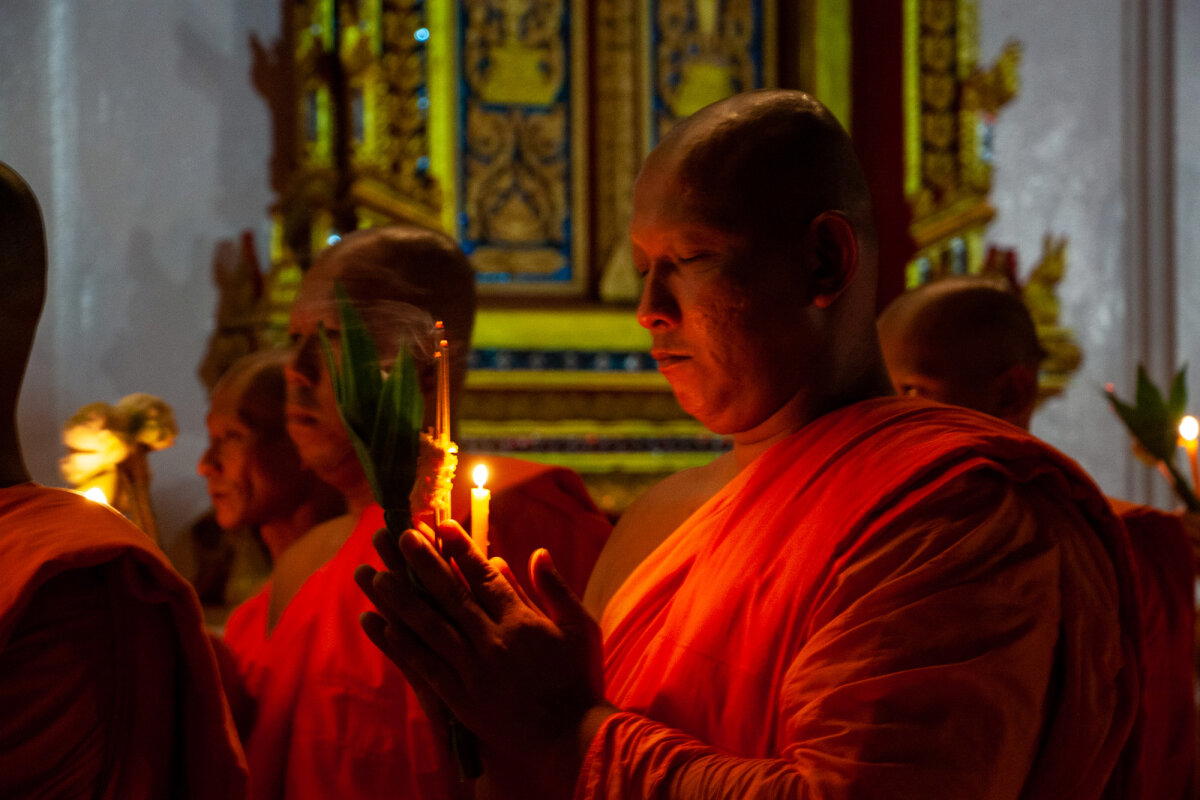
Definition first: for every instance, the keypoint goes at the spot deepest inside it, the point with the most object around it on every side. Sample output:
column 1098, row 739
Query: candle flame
column 1189, row 428
column 480, row 475
column 96, row 495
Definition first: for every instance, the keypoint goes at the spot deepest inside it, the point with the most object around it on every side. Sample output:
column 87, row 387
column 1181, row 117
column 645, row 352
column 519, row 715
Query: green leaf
column 382, row 414
column 1177, row 404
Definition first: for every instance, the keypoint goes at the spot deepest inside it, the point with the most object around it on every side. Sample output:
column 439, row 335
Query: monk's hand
column 524, row 676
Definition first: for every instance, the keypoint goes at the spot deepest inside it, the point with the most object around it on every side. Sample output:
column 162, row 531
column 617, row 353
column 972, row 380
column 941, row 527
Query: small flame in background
column 1189, row 428
column 480, row 475
column 96, row 495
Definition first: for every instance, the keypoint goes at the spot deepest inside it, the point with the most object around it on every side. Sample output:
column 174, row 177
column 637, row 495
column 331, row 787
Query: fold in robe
column 333, row 718
column 901, row 600
column 1162, row 559
column 108, row 686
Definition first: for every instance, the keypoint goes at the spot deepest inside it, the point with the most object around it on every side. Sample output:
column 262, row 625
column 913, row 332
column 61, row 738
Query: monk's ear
column 833, row 250
column 1015, row 391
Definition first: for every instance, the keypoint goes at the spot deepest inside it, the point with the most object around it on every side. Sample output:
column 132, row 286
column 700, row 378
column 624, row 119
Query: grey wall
column 136, row 125
column 1083, row 151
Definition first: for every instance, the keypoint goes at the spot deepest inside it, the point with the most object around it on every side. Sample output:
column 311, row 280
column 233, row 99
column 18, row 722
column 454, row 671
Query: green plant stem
column 1182, row 488
column 464, row 747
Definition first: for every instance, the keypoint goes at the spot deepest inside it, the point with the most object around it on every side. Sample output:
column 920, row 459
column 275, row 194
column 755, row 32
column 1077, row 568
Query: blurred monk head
column 399, row 278
column 254, row 475
column 967, row 342
column 23, row 278
column 752, row 231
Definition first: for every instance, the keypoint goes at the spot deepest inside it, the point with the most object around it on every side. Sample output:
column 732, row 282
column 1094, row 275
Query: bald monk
column 969, row 342
column 334, row 719
column 869, row 597
column 253, row 473
column 966, row 341
column 108, row 687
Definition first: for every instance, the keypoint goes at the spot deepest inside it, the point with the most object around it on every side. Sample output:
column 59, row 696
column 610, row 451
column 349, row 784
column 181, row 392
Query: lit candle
column 481, row 499
column 1189, row 433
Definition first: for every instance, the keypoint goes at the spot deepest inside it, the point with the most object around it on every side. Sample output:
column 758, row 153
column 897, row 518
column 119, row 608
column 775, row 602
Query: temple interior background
column 151, row 131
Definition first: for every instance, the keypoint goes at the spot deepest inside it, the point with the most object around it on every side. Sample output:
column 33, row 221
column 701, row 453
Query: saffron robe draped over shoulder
column 108, row 685
column 332, row 717
column 902, row 600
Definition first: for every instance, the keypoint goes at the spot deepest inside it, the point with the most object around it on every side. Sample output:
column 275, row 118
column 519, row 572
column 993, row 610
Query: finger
column 488, row 584
column 444, row 588
column 386, row 544
column 422, row 668
column 553, row 594
column 504, row 569
column 401, row 605
column 364, row 576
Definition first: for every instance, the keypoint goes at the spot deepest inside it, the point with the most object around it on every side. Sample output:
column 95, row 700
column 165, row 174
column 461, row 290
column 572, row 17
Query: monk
column 869, row 597
column 254, row 476
column 968, row 342
column 334, row 718
column 108, row 687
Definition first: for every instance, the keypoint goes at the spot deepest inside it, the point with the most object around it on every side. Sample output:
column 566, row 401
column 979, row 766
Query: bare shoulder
column 648, row 521
column 304, row 557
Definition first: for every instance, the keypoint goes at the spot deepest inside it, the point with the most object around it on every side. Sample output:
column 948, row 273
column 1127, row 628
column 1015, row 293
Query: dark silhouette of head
column 965, row 341
column 23, row 276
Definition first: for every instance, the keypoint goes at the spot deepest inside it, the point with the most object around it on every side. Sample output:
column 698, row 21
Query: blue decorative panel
column 520, row 96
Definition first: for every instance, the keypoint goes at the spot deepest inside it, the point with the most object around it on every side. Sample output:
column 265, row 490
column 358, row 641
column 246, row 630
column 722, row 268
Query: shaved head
column 403, row 264
column 752, row 230
column 768, row 162
column 23, row 276
column 966, row 341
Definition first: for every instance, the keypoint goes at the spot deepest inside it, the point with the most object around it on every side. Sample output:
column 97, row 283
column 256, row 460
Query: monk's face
column 723, row 306
column 253, row 477
column 312, row 416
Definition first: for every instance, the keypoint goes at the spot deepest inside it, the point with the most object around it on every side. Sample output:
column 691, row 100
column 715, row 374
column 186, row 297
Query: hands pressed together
column 524, row 676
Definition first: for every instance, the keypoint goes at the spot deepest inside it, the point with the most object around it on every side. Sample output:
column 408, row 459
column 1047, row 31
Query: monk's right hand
column 524, row 676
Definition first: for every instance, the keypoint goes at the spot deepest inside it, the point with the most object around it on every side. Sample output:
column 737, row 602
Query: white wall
column 1187, row 188
column 136, row 125
column 1066, row 154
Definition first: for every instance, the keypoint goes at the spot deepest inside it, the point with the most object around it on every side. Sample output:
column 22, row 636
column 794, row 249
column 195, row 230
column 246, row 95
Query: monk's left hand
column 525, row 677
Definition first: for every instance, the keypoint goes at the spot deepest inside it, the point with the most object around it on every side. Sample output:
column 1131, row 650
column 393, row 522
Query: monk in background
column 869, row 597
column 968, row 342
column 262, row 495
column 108, row 687
column 333, row 718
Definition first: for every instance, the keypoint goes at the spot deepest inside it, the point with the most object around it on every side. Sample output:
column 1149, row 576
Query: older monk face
column 250, row 467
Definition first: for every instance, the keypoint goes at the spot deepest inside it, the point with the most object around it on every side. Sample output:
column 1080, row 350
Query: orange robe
column 108, row 686
column 902, row 600
column 1162, row 559
column 333, row 718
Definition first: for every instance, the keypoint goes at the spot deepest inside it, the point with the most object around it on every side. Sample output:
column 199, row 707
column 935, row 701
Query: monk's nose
column 207, row 465
column 657, row 309
column 303, row 369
